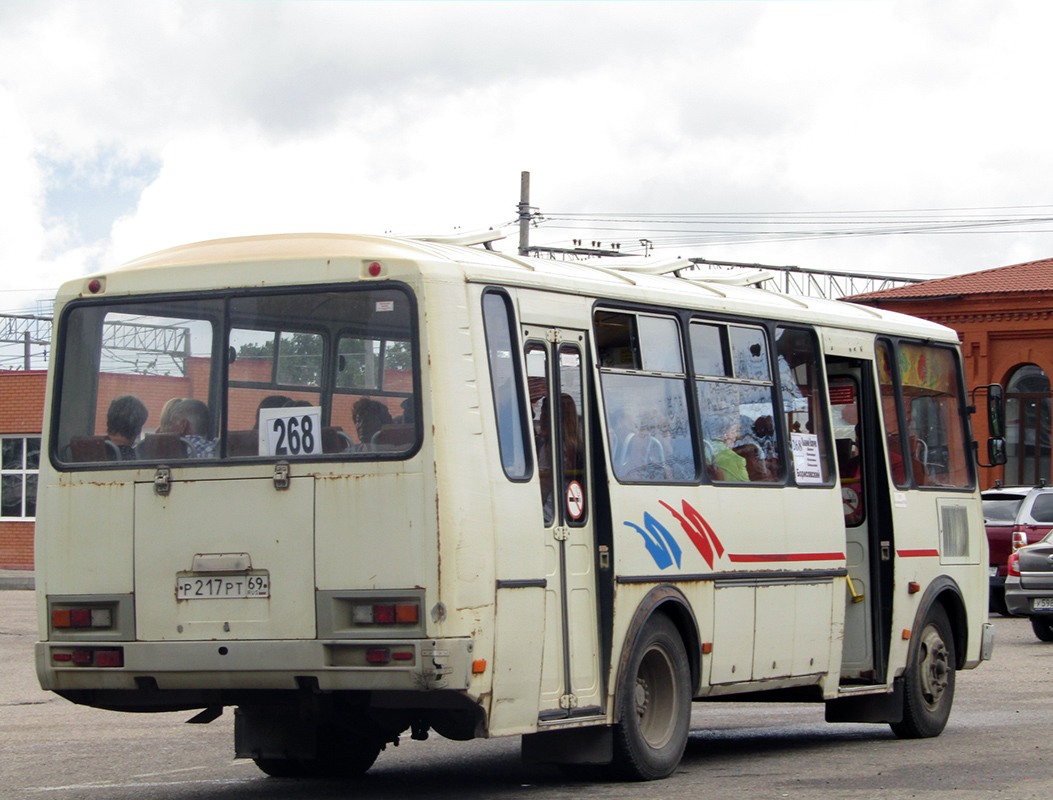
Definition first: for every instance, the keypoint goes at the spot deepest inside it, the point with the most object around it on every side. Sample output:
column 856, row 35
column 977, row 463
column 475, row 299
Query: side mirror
column 996, row 411
column 996, row 451
column 996, row 448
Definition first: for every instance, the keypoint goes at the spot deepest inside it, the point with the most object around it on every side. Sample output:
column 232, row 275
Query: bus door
column 864, row 495
column 232, row 577
column 555, row 362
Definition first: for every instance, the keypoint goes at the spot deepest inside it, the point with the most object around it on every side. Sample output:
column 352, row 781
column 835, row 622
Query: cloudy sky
column 807, row 133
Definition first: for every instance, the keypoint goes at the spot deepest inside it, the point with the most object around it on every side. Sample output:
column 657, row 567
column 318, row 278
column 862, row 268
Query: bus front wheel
column 654, row 705
column 928, row 691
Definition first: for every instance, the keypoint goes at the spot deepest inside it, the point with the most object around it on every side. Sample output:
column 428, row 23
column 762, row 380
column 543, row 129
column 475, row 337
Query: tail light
column 378, row 655
column 82, row 617
column 1013, row 566
column 89, row 656
column 1019, row 540
column 385, row 613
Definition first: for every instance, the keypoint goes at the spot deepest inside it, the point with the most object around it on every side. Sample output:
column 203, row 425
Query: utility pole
column 524, row 213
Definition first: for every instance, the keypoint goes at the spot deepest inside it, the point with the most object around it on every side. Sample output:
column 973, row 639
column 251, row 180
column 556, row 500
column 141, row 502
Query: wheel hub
column 934, row 667
column 641, row 696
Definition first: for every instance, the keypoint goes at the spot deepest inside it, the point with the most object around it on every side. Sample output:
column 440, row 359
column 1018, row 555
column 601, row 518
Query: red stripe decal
column 698, row 531
column 918, row 553
column 779, row 557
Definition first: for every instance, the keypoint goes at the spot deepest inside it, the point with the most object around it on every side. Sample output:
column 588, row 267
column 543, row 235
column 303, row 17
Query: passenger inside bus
column 124, row 422
column 164, row 425
column 572, row 448
column 407, row 412
column 271, row 401
column 192, row 421
column 722, row 461
column 757, row 447
column 648, row 452
column 368, row 416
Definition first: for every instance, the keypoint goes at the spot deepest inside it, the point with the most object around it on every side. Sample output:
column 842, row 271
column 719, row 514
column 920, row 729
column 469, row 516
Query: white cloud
column 409, row 117
column 21, row 190
column 29, row 266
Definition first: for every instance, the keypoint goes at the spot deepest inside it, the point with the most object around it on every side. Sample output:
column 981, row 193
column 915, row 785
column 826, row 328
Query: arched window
column 1029, row 422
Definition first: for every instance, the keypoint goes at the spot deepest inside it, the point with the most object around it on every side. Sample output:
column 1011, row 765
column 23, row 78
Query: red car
column 1014, row 516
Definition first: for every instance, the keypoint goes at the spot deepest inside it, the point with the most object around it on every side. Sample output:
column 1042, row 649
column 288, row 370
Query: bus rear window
column 308, row 374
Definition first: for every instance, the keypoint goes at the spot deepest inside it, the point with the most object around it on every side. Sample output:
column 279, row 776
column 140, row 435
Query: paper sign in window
column 291, row 431
column 807, row 464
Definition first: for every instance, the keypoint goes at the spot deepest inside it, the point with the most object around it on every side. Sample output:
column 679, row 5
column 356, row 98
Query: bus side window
column 844, row 408
column 499, row 324
column 645, row 397
column 932, row 408
column 735, row 397
column 891, row 415
column 803, row 404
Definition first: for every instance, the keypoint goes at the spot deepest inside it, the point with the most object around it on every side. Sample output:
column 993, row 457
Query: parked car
column 1029, row 586
column 1014, row 516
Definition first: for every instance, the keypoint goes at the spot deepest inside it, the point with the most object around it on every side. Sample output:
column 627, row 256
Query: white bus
column 356, row 486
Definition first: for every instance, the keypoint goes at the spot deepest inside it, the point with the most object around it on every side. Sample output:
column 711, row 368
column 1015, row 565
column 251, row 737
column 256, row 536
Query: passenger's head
column 165, row 423
column 764, row 427
column 125, row 418
column 368, row 416
column 191, row 418
column 271, row 401
column 274, row 401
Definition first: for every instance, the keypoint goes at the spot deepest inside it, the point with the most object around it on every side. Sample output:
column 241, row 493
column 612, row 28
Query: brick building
column 21, row 415
column 1004, row 319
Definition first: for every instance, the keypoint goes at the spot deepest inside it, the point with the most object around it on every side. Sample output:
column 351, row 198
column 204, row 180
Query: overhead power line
column 671, row 229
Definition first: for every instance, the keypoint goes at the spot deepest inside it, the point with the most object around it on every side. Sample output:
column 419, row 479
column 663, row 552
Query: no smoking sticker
column 575, row 500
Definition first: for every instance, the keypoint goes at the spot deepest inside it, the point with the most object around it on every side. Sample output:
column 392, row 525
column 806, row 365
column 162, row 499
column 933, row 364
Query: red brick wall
column 21, row 412
column 16, row 545
column 22, row 401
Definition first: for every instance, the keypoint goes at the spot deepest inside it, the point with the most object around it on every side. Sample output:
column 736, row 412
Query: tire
column 928, row 683
column 654, row 705
column 282, row 767
column 1043, row 628
column 997, row 603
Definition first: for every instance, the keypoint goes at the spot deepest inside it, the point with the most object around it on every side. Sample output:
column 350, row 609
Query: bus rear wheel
column 928, row 691
column 655, row 705
column 340, row 755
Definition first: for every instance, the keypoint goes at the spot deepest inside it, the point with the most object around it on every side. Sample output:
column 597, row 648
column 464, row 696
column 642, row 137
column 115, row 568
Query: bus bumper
column 336, row 665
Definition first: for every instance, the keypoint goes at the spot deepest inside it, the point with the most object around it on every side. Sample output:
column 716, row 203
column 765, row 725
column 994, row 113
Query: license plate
column 1042, row 602
column 222, row 587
